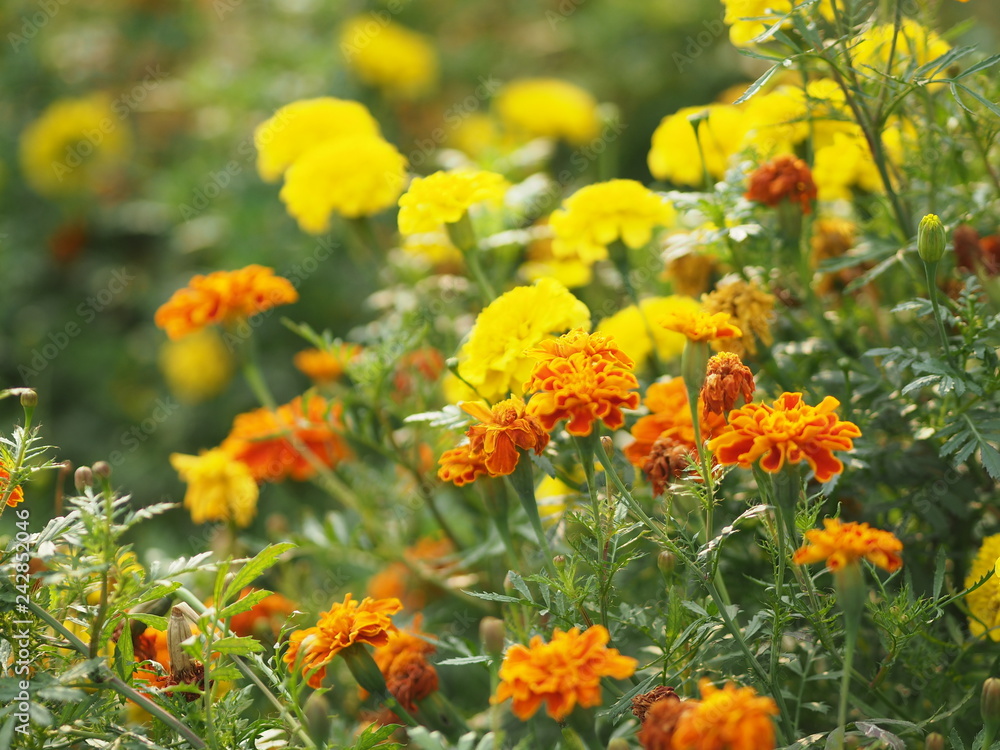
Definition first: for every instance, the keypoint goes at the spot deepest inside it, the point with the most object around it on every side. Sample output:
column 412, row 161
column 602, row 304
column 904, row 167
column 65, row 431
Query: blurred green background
column 82, row 275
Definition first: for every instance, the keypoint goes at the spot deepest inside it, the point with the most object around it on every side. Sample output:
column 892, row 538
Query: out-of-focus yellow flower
column 220, row 488
column 675, row 155
column 74, row 145
column 554, row 498
column 548, row 108
column 777, row 121
column 494, row 360
column 303, row 125
column 435, row 248
column 635, row 328
column 354, row 177
column 476, row 134
column 597, row 215
column 844, row 164
column 571, row 271
column 400, row 62
column 748, row 19
column 915, row 45
column 196, row 367
column 699, row 325
column 443, row 198
column 984, row 602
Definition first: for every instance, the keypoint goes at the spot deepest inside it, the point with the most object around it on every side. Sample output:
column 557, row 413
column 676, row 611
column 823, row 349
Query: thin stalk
column 19, row 458
column 588, row 447
column 930, row 271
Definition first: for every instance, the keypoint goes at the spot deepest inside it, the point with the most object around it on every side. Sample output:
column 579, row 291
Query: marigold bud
column 618, row 744
column 559, row 561
column 666, row 561
column 934, row 741
column 83, row 478
column 608, row 444
column 931, row 239
column 317, row 711
column 101, row 469
column 990, row 703
column 492, row 634
column 29, row 398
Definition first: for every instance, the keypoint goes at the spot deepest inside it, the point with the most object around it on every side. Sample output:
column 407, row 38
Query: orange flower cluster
column 669, row 418
column 790, row 431
column 223, row 297
column 726, row 380
column 842, row 544
column 562, row 673
column 345, row 624
column 494, row 441
column 265, row 618
column 701, row 326
column 262, row 439
column 326, row 365
column 582, row 378
column 400, row 580
column 784, row 178
column 735, row 718
column 408, row 675
column 16, row 494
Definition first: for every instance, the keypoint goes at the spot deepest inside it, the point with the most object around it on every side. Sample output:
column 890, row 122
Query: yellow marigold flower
column 220, row 488
column 353, row 176
column 789, row 431
column 345, row 624
column 435, row 249
column 16, row 494
column 674, row 154
column 636, row 331
column 915, row 45
column 561, row 674
column 727, row 380
column 777, row 121
column 223, row 297
column 400, row 62
column 494, row 360
column 444, row 197
column 984, row 602
column 503, row 429
column 597, row 215
column 744, row 17
column 196, row 367
column 554, row 498
column 699, row 325
column 548, row 108
column 303, row 125
column 750, row 307
column 842, row 544
column 74, row 145
column 843, row 164
column 326, row 365
column 729, row 718
column 581, row 379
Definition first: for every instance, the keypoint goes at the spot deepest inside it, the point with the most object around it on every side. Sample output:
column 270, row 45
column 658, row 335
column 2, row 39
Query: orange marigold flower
column 562, row 673
column 842, row 544
column 670, row 417
column 461, row 466
column 262, row 439
column 16, row 494
column 151, row 645
column 345, row 624
column 727, row 379
column 403, row 662
column 790, row 431
column 223, row 297
column 502, row 430
column 326, row 365
column 729, row 718
column 581, row 377
column 784, row 178
column 701, row 326
column 660, row 721
column 264, row 618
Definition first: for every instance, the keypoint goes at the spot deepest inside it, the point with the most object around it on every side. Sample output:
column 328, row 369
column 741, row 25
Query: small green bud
column 317, row 711
column 990, row 703
column 491, row 634
column 83, row 478
column 934, row 741
column 931, row 239
column 618, row 744
column 559, row 561
column 29, row 399
column 666, row 561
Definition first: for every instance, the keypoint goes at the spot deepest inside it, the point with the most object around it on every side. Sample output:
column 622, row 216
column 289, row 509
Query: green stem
column 463, row 236
column 523, row 482
column 930, row 271
column 587, row 447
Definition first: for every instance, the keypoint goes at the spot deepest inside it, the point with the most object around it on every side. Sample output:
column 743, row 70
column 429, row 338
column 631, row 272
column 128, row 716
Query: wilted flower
column 669, row 418
column 667, row 460
column 409, row 676
column 220, row 487
column 727, row 380
column 789, row 431
column 562, row 673
column 399, row 61
column 659, row 722
column 549, row 108
column 842, row 544
column 223, row 297
column 784, row 178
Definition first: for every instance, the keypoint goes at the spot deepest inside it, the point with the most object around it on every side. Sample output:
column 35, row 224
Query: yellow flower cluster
column 913, row 46
column 333, row 159
column 444, row 197
column 400, row 62
column 74, row 145
column 494, row 360
column 597, row 215
column 548, row 108
column 220, row 488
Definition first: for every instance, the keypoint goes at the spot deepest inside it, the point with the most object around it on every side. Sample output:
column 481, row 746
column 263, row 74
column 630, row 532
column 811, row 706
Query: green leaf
column 491, row 597
column 991, row 459
column 756, row 85
column 237, row 645
column 459, row 660
column 989, row 62
column 254, row 567
column 377, row 736
column 518, row 583
column 124, row 654
column 991, row 106
column 153, row 621
column 245, row 604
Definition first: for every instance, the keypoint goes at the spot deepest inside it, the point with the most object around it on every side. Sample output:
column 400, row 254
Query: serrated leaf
column 989, row 62
column 254, row 567
column 991, row 459
column 518, row 583
column 238, row 645
column 228, row 673
column 153, row 621
column 491, row 597
column 245, row 604
column 923, row 382
column 754, row 87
